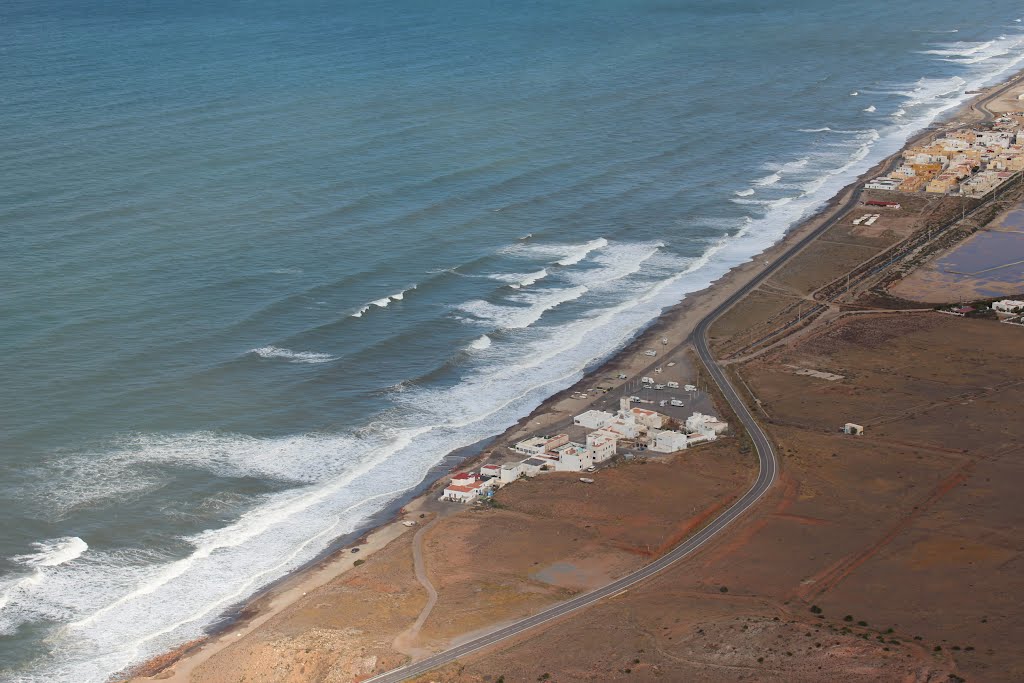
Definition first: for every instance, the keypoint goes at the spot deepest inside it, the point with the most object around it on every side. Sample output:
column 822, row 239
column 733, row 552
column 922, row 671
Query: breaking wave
column 383, row 302
column 517, row 280
column 579, row 254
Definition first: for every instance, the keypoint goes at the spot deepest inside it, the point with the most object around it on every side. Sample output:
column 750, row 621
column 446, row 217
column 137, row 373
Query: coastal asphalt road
column 767, row 461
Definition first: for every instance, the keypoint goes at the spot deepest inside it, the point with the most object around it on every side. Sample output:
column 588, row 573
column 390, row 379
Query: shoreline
column 676, row 322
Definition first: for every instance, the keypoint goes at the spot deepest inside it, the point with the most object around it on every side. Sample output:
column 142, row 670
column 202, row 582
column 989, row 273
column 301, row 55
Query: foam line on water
column 518, row 280
column 520, row 317
column 271, row 352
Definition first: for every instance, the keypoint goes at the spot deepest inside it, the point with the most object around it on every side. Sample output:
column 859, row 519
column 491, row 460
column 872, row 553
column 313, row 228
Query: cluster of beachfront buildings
column 644, row 428
column 969, row 162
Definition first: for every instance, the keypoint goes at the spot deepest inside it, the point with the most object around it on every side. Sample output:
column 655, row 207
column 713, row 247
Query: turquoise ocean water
column 265, row 263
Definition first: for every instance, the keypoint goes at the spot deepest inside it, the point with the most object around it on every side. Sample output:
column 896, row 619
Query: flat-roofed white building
column 706, row 424
column 593, row 419
column 463, row 493
column 539, row 445
column 572, row 457
column 1008, row 306
column 622, row 429
column 531, row 466
column 668, row 441
column 601, row 446
column 646, row 418
column 511, row 471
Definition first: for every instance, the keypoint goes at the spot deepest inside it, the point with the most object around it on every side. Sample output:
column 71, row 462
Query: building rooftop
column 460, row 488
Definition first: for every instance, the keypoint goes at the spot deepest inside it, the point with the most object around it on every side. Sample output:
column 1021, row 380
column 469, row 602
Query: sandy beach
column 675, row 324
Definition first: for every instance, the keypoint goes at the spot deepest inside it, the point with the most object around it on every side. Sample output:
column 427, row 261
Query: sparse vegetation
column 815, row 609
column 848, row 617
column 358, row 562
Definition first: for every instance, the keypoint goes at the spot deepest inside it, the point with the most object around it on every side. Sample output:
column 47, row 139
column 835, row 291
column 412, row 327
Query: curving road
column 768, row 468
column 767, row 461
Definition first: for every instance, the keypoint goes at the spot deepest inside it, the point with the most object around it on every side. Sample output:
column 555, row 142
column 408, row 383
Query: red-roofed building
column 464, row 493
column 464, row 478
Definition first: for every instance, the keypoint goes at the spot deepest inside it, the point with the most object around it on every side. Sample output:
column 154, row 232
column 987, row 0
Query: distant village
column 968, row 162
column 647, row 429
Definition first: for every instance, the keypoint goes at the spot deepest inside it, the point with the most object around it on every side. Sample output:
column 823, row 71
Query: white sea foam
column 517, row 280
column 561, row 254
column 977, row 52
column 961, row 49
column 383, row 302
column 618, row 261
column 579, row 254
column 768, row 180
column 293, row 356
column 54, row 553
column 480, row 343
column 870, row 108
column 535, row 305
column 48, row 555
column 854, row 93
column 744, row 193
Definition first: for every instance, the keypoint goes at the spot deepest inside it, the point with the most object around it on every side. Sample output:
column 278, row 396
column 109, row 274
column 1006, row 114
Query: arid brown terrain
column 890, row 556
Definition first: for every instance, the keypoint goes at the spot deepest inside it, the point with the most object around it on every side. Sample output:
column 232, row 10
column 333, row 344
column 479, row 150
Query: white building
column 668, row 441
column 531, row 466
column 709, row 425
column 694, row 439
column 573, row 457
column 622, row 428
column 464, row 493
column 511, row 471
column 464, row 478
column 1008, row 306
column 646, row 418
column 601, row 446
column 491, row 470
column 593, row 419
column 883, row 183
column 539, row 445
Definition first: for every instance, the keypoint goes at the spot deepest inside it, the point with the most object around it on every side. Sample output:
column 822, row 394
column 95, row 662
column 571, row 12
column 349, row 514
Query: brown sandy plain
column 892, row 556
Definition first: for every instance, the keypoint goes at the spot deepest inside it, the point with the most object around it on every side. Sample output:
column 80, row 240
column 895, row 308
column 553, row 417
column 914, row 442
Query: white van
column 672, row 385
column 676, row 402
